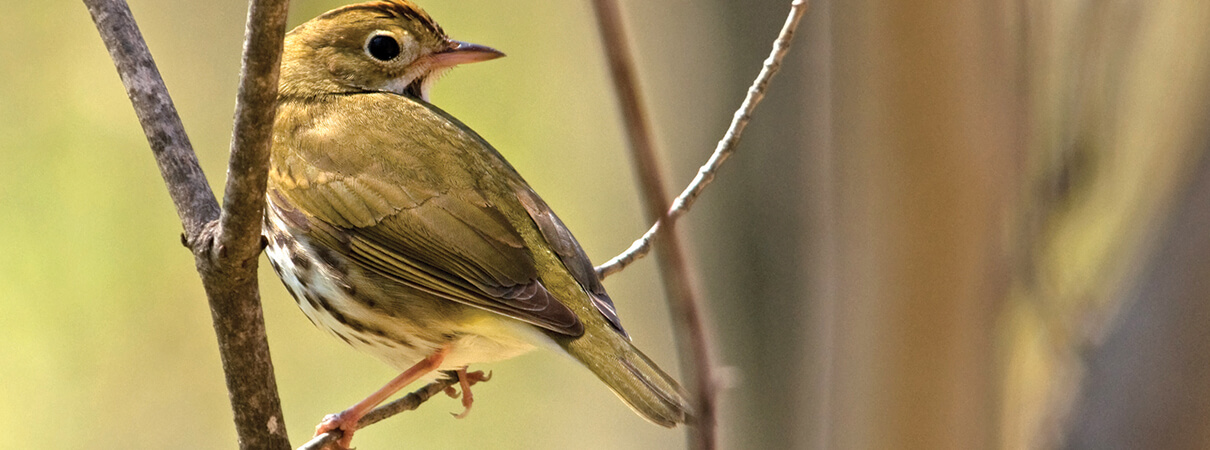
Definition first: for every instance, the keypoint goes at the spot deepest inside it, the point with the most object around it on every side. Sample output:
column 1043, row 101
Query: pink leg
column 346, row 420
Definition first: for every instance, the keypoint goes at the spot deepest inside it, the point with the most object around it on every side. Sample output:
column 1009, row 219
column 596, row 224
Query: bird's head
column 391, row 46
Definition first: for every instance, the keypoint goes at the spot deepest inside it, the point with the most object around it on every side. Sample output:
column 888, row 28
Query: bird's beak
column 419, row 76
column 461, row 53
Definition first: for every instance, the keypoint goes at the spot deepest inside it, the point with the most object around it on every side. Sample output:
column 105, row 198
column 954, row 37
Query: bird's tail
column 632, row 376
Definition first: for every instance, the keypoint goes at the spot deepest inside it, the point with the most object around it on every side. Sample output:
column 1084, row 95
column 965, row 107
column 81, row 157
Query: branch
column 674, row 268
column 726, row 146
column 255, row 109
column 225, row 242
column 687, row 311
column 187, row 186
column 228, row 260
column 406, row 403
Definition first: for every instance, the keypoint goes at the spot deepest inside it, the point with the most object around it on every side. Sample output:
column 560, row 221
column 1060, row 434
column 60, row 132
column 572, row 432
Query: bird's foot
column 466, row 380
column 346, row 421
column 343, row 421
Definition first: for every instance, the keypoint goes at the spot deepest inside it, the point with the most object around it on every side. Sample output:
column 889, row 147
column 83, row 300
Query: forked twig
column 225, row 241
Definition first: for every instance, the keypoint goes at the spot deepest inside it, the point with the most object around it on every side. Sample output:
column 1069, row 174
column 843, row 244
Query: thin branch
column 406, row 403
column 229, row 271
column 195, row 203
column 726, row 146
column 255, row 109
column 679, row 287
column 226, row 255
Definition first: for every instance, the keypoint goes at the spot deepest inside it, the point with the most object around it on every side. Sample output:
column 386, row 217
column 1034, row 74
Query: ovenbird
column 403, row 233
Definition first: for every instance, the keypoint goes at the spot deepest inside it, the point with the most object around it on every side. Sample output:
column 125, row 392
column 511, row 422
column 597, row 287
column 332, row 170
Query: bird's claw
column 476, row 376
column 466, row 380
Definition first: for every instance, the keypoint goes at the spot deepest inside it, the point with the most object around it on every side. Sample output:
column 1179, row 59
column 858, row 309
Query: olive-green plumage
column 403, row 232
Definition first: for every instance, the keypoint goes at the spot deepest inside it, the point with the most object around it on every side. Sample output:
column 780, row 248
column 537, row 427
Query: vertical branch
column 922, row 192
column 225, row 243
column 678, row 285
column 255, row 109
column 232, row 283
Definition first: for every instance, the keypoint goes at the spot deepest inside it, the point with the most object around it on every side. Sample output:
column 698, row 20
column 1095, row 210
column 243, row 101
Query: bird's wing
column 570, row 253
column 421, row 213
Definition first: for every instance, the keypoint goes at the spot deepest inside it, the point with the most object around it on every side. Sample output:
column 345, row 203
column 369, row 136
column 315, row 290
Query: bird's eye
column 382, row 47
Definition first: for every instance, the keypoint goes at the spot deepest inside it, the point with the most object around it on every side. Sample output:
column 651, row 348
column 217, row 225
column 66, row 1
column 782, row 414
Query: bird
column 402, row 232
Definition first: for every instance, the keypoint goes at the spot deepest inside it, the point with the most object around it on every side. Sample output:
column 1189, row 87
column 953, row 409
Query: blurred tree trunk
column 925, row 133
column 858, row 298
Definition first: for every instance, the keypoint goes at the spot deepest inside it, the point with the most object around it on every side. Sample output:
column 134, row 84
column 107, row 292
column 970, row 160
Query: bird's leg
column 346, row 421
column 466, row 380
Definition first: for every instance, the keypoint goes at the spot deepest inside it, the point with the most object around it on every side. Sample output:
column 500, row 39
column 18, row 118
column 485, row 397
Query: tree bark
column 225, row 242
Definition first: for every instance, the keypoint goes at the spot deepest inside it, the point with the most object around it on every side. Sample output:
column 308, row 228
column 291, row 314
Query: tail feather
column 638, row 381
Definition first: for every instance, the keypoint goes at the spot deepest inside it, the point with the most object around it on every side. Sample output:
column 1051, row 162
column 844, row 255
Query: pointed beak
column 418, row 77
column 461, row 53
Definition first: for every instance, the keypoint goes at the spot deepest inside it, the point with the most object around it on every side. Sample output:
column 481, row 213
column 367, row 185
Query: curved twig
column 726, row 146
column 679, row 287
column 688, row 314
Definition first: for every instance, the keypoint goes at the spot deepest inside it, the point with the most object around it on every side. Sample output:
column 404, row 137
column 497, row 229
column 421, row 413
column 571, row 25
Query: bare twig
column 406, row 403
column 255, row 109
column 726, row 146
column 693, row 339
column 678, row 284
column 195, row 203
column 225, row 243
column 233, row 290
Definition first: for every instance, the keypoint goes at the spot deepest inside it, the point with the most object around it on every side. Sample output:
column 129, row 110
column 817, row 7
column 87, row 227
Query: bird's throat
column 417, row 89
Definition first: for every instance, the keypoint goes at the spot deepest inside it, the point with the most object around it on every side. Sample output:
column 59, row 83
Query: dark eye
column 382, row 48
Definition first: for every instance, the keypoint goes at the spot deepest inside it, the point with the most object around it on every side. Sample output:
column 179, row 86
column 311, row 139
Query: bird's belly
column 472, row 336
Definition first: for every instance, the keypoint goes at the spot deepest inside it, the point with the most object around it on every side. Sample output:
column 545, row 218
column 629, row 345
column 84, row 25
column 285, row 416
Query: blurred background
column 950, row 225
